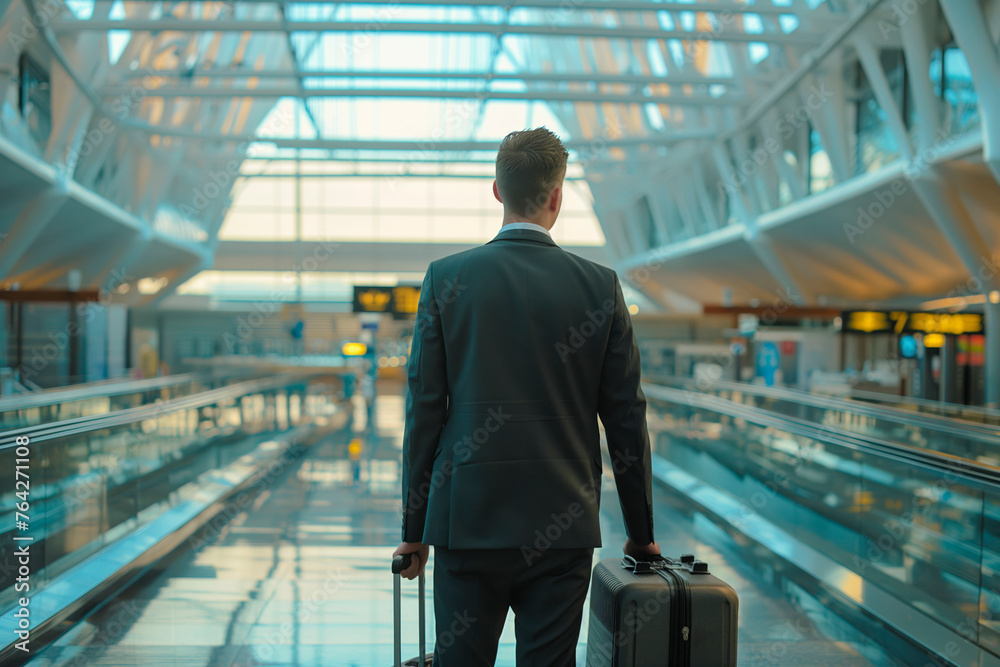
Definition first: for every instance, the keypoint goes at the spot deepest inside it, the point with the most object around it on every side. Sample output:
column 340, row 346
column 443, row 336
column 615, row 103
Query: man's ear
column 496, row 192
column 555, row 200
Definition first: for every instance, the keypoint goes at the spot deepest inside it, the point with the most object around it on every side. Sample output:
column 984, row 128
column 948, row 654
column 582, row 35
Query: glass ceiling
column 379, row 121
column 451, row 72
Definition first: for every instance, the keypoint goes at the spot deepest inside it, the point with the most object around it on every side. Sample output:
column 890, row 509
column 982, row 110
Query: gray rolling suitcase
column 400, row 563
column 662, row 612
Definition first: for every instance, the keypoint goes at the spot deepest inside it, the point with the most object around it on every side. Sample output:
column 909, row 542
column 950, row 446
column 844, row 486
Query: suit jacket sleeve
column 426, row 408
column 622, row 408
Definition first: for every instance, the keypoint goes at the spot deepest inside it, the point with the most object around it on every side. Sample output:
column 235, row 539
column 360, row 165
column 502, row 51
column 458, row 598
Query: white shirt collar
column 526, row 225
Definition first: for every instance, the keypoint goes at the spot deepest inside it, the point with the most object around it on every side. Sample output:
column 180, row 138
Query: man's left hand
column 421, row 552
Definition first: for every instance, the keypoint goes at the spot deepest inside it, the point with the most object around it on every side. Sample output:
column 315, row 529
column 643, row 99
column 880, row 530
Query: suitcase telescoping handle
column 400, row 563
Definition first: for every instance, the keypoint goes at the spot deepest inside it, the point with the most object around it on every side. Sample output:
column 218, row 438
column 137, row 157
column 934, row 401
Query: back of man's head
column 530, row 163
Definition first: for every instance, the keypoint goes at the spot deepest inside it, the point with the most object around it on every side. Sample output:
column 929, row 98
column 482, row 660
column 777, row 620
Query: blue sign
column 908, row 347
column 768, row 360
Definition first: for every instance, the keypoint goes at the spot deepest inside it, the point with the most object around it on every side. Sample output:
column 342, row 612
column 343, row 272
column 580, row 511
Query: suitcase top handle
column 686, row 562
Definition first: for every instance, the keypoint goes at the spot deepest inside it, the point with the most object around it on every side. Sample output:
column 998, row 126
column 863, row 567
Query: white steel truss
column 706, row 129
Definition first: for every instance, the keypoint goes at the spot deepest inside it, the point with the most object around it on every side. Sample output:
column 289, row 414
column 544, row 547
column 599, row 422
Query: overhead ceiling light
column 151, row 285
column 958, row 302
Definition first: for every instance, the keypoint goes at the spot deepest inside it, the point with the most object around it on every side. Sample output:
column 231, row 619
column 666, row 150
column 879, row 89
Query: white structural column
column 769, row 131
column 830, row 119
column 917, row 52
column 613, row 232
column 660, row 215
column 762, row 246
column 704, row 201
column 71, row 113
column 98, row 156
column 29, row 225
column 679, row 192
column 972, row 33
column 164, row 172
column 875, row 74
column 635, row 235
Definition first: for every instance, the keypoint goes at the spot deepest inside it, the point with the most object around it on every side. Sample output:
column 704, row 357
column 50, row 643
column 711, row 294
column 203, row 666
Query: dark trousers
column 473, row 590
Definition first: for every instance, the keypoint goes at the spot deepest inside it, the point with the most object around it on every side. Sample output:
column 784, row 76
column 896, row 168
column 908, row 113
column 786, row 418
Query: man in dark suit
column 518, row 347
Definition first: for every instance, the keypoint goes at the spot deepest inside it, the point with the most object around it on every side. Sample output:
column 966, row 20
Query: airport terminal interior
column 216, row 216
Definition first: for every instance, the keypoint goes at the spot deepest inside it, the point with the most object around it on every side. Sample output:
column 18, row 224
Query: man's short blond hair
column 530, row 163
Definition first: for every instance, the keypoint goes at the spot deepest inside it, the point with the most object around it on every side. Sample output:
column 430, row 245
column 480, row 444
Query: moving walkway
column 299, row 576
column 938, row 432
column 96, row 499
column 881, row 531
column 887, row 516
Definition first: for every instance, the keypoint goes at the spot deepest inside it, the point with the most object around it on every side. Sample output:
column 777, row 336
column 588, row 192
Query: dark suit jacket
column 518, row 347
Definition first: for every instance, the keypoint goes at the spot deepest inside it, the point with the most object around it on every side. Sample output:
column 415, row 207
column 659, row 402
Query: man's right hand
column 641, row 552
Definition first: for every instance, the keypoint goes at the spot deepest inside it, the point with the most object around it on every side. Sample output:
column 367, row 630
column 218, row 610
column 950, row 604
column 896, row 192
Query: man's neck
column 541, row 223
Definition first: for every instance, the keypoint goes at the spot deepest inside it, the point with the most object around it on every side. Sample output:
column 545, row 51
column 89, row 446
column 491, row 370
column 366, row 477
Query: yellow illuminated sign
column 900, row 318
column 374, row 300
column 947, row 323
column 406, row 299
column 867, row 321
column 934, row 340
column 874, row 321
column 398, row 300
column 354, row 349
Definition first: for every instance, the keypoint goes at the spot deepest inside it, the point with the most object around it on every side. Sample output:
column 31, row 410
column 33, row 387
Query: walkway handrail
column 939, row 423
column 99, row 389
column 973, row 472
column 875, row 396
column 66, row 427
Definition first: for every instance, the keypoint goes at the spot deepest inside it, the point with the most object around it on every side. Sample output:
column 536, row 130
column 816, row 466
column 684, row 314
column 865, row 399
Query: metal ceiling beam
column 64, row 26
column 383, row 174
column 297, row 73
column 434, row 93
column 807, row 64
column 363, row 256
column 583, row 5
column 225, row 156
column 421, row 147
column 531, row 77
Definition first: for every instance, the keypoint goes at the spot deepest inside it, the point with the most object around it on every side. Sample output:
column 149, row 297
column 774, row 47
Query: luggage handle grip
column 642, row 566
column 401, row 562
column 654, row 563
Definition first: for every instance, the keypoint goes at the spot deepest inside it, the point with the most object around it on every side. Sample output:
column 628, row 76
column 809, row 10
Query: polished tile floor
column 301, row 580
